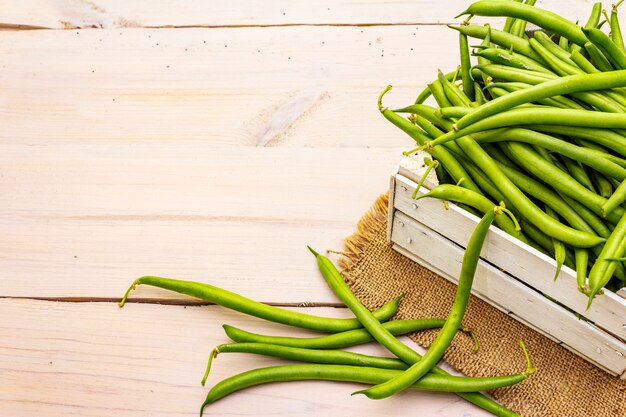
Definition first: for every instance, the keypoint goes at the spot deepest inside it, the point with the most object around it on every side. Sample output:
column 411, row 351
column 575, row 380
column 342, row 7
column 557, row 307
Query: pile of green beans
column 538, row 122
column 322, row 355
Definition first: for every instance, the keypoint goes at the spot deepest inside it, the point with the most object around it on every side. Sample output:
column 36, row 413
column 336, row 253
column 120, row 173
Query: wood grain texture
column 249, row 86
column 94, row 359
column 84, row 221
column 69, row 14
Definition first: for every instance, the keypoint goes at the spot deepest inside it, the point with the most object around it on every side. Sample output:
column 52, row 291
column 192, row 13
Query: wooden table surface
column 207, row 141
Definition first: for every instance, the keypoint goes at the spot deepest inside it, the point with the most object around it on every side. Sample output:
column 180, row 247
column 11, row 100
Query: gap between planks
column 165, row 301
column 14, row 27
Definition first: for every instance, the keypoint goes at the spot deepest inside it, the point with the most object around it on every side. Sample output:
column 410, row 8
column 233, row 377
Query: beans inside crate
column 511, row 275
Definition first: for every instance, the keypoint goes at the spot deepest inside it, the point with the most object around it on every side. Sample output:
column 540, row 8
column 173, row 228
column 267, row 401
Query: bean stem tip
column 313, row 251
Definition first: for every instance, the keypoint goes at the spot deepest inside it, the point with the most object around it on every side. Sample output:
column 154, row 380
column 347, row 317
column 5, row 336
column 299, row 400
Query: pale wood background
column 201, row 140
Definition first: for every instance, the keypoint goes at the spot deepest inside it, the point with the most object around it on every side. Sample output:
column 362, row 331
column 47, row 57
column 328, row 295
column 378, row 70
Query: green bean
column 540, row 17
column 558, row 179
column 618, row 197
column 500, row 38
column 602, row 270
column 583, row 63
column 582, row 155
column 582, row 262
column 437, row 91
column 361, row 374
column 596, row 14
column 592, row 219
column 454, row 95
column 338, row 340
column 384, row 337
column 245, row 305
column 449, row 329
column 508, row 23
column 554, row 49
column 330, row 356
column 340, row 288
column 502, row 56
column 604, row 137
column 603, row 185
column 480, row 95
column 519, row 25
column 559, row 247
column 555, row 64
column 547, row 196
column 453, row 112
column 559, row 86
column 543, row 241
column 442, row 155
column 466, row 65
column 611, row 51
column 532, row 116
column 479, row 202
column 556, row 101
column 426, row 92
column 597, row 58
column 564, row 43
column 502, row 72
column 577, row 172
column 616, row 31
column 430, row 165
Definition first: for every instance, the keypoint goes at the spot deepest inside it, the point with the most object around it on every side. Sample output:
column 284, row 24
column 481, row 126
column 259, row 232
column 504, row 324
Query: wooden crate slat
column 522, row 261
column 492, row 284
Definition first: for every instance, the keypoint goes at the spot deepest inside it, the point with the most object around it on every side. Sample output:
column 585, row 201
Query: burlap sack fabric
column 564, row 385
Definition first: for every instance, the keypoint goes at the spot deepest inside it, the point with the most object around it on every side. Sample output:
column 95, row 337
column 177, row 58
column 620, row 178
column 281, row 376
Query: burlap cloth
column 564, row 385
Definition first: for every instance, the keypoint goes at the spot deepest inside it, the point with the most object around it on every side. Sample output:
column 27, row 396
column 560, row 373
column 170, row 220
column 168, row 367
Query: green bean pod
column 540, row 17
column 337, row 340
column 616, row 31
column 448, row 331
column 602, row 270
column 360, row 374
column 555, row 87
column 245, row 305
column 617, row 198
column 611, row 51
column 500, row 38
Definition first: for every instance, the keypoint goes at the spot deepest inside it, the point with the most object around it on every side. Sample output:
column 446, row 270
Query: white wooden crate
column 511, row 275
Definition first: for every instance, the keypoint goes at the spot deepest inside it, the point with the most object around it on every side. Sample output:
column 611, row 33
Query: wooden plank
column 94, row 359
column 83, row 221
column 516, row 258
column 66, row 14
column 190, row 85
column 492, row 284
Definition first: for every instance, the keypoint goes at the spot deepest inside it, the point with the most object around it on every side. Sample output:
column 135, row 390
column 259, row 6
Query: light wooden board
column 492, row 284
column 83, row 221
column 119, row 13
column 298, row 86
column 94, row 359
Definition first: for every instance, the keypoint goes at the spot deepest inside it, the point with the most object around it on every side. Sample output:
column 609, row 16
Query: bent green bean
column 385, row 338
column 448, row 331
